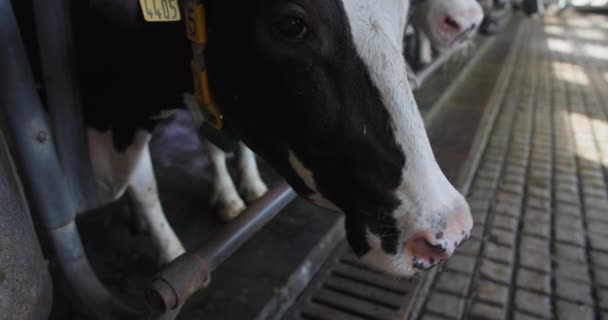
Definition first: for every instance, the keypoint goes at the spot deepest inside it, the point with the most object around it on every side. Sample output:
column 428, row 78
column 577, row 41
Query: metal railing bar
column 192, row 271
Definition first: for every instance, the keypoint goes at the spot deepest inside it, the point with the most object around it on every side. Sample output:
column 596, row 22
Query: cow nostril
column 449, row 21
column 437, row 247
column 424, row 251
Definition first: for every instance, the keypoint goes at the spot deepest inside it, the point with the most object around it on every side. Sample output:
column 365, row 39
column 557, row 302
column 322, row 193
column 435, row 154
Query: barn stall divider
column 53, row 165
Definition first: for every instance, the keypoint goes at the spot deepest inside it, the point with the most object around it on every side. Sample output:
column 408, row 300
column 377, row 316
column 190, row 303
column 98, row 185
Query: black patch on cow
column 356, row 235
column 130, row 69
column 313, row 97
column 385, row 226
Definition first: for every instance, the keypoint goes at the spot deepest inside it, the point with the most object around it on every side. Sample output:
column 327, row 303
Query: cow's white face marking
column 308, row 179
column 426, row 195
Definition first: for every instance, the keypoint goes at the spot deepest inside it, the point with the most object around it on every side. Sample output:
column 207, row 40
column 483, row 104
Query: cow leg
column 144, row 192
column 425, row 50
column 251, row 185
column 116, row 171
column 110, row 167
column 225, row 196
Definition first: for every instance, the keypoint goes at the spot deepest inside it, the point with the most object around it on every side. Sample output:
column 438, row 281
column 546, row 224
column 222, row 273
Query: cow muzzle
column 427, row 248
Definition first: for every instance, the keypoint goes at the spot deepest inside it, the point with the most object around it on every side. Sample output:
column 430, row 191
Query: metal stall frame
column 57, row 189
column 50, row 180
column 36, row 156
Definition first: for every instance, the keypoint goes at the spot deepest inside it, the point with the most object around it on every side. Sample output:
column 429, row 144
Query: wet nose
column 427, row 248
column 452, row 24
column 457, row 27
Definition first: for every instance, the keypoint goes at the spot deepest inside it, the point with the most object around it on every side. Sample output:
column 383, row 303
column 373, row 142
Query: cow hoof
column 254, row 190
column 426, row 60
column 230, row 209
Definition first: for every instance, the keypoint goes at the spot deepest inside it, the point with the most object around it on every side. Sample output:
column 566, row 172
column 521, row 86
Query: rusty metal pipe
column 243, row 228
column 190, row 272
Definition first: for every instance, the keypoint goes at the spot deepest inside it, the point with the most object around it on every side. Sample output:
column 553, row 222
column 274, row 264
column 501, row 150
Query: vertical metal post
column 36, row 158
column 25, row 283
column 54, row 35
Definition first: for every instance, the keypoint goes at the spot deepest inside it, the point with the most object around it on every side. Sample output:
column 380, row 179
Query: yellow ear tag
column 160, row 10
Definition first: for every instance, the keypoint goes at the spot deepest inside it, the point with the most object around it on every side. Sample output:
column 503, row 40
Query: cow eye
column 292, row 27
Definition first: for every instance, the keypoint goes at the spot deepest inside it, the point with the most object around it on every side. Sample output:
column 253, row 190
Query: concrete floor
column 539, row 197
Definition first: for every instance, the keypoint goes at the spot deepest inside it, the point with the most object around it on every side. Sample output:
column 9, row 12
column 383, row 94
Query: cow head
column 447, row 22
column 319, row 89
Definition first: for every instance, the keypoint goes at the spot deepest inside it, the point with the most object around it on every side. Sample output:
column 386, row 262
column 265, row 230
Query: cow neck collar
column 206, row 114
column 196, row 31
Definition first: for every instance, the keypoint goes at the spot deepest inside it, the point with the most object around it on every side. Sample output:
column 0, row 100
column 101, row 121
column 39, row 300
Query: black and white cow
column 441, row 24
column 318, row 89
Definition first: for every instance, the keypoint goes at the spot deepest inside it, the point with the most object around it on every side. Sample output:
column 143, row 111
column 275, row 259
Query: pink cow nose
column 428, row 248
column 451, row 23
column 456, row 28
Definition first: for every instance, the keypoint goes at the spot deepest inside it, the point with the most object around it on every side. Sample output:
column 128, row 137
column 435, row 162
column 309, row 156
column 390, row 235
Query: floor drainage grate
column 344, row 289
